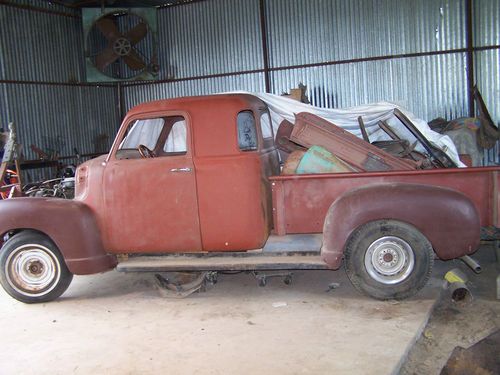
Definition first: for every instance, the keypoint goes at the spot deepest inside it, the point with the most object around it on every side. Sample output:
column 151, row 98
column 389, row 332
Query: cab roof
column 199, row 103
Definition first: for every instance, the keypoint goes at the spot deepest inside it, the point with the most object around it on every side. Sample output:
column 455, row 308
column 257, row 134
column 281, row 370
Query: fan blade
column 108, row 29
column 106, row 57
column 136, row 34
column 134, row 61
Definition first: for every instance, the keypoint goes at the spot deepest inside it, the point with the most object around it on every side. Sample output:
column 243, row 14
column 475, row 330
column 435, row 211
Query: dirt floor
column 452, row 325
column 120, row 324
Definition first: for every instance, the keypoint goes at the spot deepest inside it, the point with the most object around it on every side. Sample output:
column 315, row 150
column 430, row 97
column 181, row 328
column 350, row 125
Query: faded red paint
column 302, row 202
column 223, row 204
column 224, row 201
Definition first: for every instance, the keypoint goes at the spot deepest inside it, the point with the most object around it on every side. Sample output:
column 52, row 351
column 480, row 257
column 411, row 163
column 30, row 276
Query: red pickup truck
column 193, row 184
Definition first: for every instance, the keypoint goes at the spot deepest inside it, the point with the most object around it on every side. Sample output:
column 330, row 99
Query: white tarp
column 347, row 118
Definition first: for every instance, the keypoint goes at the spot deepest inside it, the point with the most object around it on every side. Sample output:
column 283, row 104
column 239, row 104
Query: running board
column 222, row 262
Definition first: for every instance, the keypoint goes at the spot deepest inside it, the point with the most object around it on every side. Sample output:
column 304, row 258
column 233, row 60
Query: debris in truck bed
column 311, row 130
column 292, row 162
column 440, row 158
column 347, row 118
column 283, row 142
column 319, row 160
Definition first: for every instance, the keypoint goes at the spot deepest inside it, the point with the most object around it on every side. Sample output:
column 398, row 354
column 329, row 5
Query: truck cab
column 187, row 175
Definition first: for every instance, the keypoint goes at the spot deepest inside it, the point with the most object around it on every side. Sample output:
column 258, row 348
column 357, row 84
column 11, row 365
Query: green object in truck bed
column 319, row 160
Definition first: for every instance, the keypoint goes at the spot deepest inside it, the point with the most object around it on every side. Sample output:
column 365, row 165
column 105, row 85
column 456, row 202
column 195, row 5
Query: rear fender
column 448, row 219
column 69, row 223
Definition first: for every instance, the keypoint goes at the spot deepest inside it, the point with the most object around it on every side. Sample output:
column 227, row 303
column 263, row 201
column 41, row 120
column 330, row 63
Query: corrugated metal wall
column 142, row 93
column 315, row 41
column 41, row 65
column 313, row 31
column 40, row 46
column 305, row 32
column 221, row 36
column 211, row 37
column 342, row 50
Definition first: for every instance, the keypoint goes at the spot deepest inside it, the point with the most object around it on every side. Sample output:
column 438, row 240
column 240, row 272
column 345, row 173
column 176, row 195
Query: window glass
column 145, row 132
column 247, row 133
column 265, row 124
column 176, row 140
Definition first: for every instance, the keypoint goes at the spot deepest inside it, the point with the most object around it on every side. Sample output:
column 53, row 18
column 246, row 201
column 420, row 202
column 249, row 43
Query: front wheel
column 388, row 259
column 32, row 270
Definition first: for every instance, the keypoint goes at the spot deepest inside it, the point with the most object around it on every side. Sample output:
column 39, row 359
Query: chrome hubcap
column 32, row 270
column 389, row 260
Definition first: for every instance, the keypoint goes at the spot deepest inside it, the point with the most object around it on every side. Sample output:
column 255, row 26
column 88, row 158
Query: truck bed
column 300, row 202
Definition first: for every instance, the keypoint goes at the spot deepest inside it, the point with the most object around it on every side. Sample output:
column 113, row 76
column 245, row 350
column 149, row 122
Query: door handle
column 186, row 169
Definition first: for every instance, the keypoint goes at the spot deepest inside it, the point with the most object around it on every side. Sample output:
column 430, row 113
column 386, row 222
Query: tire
column 388, row 259
column 32, row 269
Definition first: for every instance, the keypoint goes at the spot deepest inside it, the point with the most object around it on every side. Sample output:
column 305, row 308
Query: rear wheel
column 388, row 259
column 32, row 269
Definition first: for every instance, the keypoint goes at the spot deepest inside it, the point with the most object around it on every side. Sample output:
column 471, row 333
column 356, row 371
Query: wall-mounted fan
column 120, row 44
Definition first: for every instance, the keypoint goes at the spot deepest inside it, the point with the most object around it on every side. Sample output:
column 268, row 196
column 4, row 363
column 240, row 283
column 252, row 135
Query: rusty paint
column 62, row 220
column 447, row 218
column 225, row 203
column 279, row 208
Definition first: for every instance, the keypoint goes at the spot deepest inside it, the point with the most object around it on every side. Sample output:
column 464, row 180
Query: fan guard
column 120, row 44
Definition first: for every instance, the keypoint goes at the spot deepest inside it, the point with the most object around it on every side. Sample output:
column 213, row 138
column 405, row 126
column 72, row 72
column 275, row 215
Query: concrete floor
column 119, row 324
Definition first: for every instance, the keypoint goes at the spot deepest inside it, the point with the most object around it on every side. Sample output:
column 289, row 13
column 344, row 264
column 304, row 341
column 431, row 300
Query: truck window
column 165, row 136
column 145, row 132
column 265, row 124
column 247, row 132
column 176, row 140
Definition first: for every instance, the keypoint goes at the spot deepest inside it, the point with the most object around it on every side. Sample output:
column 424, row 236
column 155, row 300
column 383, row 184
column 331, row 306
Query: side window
column 163, row 136
column 145, row 132
column 176, row 140
column 265, row 124
column 247, row 133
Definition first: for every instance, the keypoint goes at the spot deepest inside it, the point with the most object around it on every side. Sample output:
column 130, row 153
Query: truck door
column 150, row 188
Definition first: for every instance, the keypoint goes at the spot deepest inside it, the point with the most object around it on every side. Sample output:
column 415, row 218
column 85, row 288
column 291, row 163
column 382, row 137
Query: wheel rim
column 32, row 270
column 389, row 260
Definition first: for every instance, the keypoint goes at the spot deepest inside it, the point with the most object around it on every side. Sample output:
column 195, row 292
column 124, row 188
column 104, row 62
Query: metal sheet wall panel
column 430, row 86
column 492, row 156
column 486, row 23
column 62, row 117
column 40, row 46
column 4, row 108
column 134, row 95
column 48, row 5
column 488, row 80
column 209, row 37
column 313, row 31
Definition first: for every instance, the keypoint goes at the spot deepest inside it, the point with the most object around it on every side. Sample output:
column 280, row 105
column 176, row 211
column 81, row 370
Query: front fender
column 69, row 223
column 448, row 219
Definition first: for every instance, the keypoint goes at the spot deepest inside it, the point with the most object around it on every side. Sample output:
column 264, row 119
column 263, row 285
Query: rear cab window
column 247, row 131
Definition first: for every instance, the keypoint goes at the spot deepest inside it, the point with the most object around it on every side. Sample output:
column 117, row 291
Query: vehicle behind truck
column 194, row 185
